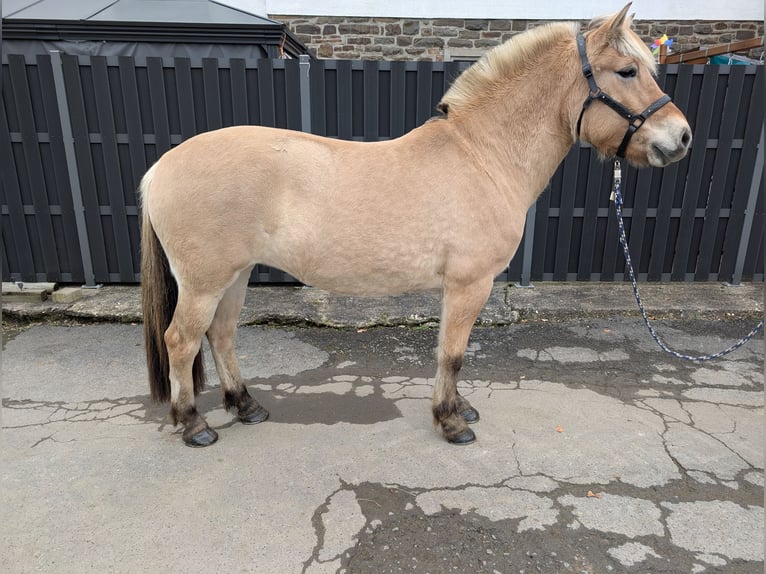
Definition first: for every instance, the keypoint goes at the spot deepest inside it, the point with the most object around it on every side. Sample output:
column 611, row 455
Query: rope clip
column 616, row 179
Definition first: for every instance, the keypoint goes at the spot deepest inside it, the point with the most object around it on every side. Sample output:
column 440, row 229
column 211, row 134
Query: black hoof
column 465, row 437
column 256, row 416
column 470, row 415
column 205, row 437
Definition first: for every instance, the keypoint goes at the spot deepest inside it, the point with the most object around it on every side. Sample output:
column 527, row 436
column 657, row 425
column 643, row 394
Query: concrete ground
column 596, row 452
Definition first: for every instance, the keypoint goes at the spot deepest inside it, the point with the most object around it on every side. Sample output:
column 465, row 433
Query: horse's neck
column 523, row 137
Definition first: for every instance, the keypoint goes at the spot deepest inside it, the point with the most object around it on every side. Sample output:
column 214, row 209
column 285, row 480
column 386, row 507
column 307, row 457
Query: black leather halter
column 635, row 121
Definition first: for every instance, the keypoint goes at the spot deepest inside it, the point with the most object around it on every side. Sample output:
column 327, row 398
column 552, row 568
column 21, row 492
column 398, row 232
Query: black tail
column 159, row 295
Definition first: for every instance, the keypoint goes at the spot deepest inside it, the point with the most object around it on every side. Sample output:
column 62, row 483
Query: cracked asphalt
column 596, row 453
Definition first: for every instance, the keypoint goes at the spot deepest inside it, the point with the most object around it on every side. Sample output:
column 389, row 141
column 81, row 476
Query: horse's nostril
column 686, row 138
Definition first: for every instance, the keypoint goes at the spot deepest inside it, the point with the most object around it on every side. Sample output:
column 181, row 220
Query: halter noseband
column 635, row 121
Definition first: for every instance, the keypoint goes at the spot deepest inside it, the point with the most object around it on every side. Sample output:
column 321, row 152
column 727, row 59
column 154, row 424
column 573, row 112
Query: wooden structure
column 701, row 55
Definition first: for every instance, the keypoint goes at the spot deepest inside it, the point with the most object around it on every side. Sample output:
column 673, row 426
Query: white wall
column 519, row 9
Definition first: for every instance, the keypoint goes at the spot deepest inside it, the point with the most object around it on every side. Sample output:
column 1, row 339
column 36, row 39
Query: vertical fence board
column 158, row 101
column 371, row 99
column 293, row 94
column 345, row 100
column 133, row 121
column 317, row 77
column 184, row 98
column 398, row 99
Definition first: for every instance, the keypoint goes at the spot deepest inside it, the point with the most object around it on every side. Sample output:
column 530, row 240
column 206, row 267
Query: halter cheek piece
column 635, row 121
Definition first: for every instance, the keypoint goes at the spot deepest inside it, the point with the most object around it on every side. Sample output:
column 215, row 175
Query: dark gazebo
column 191, row 28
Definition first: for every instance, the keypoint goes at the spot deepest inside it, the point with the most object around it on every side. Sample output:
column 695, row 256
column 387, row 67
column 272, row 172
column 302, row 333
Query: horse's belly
column 364, row 276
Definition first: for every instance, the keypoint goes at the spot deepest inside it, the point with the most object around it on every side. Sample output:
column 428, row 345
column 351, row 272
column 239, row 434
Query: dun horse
column 442, row 207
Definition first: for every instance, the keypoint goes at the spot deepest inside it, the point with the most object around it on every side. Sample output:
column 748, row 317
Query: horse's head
column 625, row 112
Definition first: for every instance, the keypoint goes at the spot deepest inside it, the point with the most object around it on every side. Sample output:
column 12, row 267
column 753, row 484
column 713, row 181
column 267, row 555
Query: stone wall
column 440, row 39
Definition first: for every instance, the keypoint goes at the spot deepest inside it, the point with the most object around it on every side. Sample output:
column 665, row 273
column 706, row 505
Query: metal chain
column 617, row 198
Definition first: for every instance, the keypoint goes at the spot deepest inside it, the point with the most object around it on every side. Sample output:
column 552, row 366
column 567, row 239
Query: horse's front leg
column 461, row 303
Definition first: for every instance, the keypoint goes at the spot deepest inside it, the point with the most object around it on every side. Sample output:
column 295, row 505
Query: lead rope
column 617, row 198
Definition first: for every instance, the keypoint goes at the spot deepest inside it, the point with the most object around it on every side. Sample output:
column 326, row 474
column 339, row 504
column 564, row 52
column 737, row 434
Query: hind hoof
column 465, row 437
column 256, row 416
column 470, row 415
column 205, row 437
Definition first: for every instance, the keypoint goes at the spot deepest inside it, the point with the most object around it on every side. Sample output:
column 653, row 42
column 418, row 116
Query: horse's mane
column 509, row 58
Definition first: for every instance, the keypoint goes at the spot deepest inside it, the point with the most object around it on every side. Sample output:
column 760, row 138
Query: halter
column 635, row 121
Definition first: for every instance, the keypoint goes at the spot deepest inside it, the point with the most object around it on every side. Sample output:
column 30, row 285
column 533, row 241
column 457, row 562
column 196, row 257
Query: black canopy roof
column 119, row 23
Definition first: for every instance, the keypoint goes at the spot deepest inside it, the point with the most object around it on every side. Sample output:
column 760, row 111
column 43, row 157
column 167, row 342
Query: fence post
column 747, row 225
column 71, row 161
column 304, row 64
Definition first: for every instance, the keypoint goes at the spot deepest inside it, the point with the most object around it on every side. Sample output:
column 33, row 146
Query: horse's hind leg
column 183, row 338
column 221, row 336
column 460, row 307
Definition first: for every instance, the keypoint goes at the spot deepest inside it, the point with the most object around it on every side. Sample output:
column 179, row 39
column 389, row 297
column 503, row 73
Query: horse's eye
column 628, row 72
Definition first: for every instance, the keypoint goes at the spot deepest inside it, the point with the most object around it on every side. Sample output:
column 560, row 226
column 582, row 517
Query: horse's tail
column 159, row 295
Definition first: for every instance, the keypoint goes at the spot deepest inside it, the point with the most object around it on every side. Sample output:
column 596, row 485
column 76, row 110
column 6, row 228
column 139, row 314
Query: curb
column 305, row 306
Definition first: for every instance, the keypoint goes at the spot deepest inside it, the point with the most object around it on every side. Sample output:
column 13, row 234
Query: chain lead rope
column 617, row 198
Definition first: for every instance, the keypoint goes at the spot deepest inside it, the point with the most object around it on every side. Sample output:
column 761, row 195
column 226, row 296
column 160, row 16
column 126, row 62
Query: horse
column 440, row 208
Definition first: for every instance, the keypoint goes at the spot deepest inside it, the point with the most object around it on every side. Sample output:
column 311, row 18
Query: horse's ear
column 620, row 20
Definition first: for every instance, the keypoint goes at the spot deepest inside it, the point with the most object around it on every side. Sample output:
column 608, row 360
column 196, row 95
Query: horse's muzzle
column 672, row 148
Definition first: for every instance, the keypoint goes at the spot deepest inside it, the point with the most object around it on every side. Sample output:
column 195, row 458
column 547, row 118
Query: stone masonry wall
column 432, row 39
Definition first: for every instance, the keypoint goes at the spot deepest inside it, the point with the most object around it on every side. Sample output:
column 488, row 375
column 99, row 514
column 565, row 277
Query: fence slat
column 371, row 100
column 423, row 100
column 345, row 100
column 129, row 84
column 158, row 97
column 239, row 94
column 318, row 101
column 398, row 99
column 184, row 97
column 212, row 94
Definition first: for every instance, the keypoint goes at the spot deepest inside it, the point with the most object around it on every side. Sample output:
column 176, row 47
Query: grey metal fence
column 77, row 133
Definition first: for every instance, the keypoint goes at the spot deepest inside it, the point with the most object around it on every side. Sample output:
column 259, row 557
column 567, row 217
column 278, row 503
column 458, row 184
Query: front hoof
column 470, row 415
column 465, row 437
column 258, row 415
column 205, row 437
